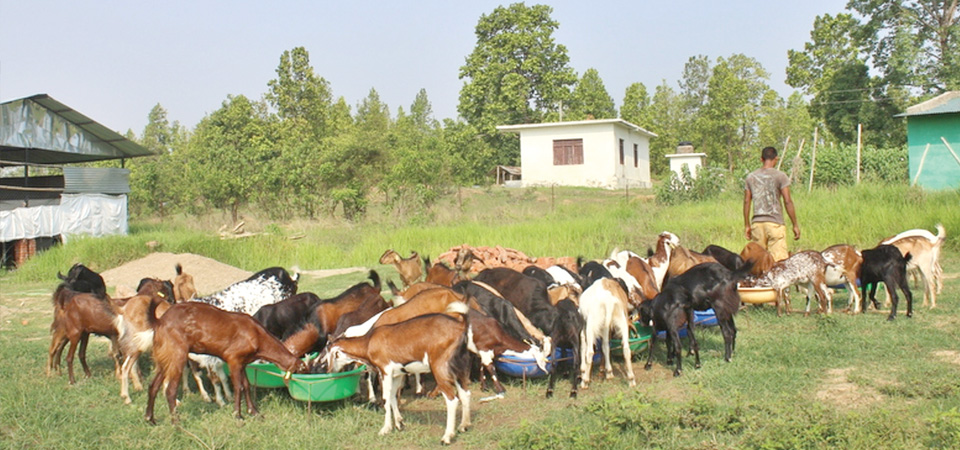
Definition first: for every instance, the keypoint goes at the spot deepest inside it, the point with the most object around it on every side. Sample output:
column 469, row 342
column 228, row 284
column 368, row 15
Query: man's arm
column 788, row 205
column 747, row 198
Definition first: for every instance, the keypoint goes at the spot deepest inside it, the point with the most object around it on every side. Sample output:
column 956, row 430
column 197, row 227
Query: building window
column 567, row 152
column 621, row 152
column 636, row 156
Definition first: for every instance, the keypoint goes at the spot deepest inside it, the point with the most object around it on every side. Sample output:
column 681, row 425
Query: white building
column 608, row 153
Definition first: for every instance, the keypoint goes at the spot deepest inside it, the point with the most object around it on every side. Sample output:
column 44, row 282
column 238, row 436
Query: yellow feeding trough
column 757, row 295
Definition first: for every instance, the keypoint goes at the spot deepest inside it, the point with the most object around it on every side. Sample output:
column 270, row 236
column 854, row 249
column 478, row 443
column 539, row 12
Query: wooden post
column 785, row 144
column 950, row 148
column 859, row 146
column 920, row 167
column 813, row 160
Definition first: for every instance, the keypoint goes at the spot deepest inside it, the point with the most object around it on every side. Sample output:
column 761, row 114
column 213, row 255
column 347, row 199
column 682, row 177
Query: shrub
column 709, row 183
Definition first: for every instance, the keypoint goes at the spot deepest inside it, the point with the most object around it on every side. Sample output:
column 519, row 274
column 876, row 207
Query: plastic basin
column 325, row 387
column 638, row 341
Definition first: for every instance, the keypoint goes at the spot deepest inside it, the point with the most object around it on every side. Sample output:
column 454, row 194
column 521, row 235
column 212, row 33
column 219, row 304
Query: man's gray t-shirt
column 764, row 186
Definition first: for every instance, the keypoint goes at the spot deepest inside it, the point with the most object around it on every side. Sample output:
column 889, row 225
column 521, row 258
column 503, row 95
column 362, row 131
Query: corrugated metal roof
column 948, row 102
column 39, row 129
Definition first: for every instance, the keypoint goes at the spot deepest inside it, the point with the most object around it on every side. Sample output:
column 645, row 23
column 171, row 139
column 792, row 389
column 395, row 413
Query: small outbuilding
column 607, row 153
column 933, row 138
column 42, row 198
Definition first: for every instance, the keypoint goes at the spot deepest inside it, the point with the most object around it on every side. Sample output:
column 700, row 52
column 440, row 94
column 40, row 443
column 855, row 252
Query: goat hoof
column 890, row 318
column 676, row 373
column 697, row 366
column 647, row 366
column 573, row 394
column 549, row 394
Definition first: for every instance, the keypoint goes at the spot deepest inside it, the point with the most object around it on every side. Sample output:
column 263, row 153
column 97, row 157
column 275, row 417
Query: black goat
column 81, row 279
column 885, row 263
column 290, row 315
column 704, row 286
column 591, row 271
column 729, row 259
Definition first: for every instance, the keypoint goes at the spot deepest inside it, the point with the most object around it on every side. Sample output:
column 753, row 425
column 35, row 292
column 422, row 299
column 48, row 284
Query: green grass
column 795, row 382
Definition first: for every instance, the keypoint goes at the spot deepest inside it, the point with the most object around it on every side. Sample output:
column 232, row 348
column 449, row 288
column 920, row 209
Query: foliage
column 298, row 93
column 590, row 99
column 636, row 105
column 516, row 72
column 709, row 183
column 837, row 165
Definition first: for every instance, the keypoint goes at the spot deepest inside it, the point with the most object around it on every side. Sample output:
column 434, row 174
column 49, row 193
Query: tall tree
column 590, row 99
column 515, row 73
column 226, row 152
column 895, row 30
column 736, row 90
column 636, row 105
column 667, row 119
column 298, row 93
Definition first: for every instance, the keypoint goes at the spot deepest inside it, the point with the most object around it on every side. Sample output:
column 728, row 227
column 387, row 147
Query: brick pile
column 490, row 257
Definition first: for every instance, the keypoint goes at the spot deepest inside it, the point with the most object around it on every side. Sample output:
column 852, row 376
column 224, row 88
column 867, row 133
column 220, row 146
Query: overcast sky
column 114, row 60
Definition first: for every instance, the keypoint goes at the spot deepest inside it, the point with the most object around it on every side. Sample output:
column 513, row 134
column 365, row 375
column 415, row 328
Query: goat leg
column 84, row 339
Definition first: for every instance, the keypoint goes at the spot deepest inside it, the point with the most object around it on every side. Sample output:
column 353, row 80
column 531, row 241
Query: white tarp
column 89, row 214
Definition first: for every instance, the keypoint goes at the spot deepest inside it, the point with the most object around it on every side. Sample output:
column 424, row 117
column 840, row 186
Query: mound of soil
column 209, row 275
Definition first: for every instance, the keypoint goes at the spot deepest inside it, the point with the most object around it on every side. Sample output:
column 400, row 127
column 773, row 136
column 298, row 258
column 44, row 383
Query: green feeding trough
column 325, row 387
column 265, row 375
column 638, row 341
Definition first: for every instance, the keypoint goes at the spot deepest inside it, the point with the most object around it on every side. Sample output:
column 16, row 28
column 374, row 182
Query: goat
column 683, row 259
column 76, row 315
column 495, row 306
column 808, row 268
column 136, row 335
column 730, row 260
column 491, row 341
column 562, row 323
column 400, row 297
column 704, row 286
column 843, row 265
column 329, row 312
column 267, row 286
column 434, row 343
column 925, row 250
column 439, row 273
column 183, row 286
column 630, row 284
column 591, row 271
column 762, row 259
column 408, row 268
column 81, row 279
column 885, row 263
column 604, row 308
column 659, row 260
column 202, row 328
column 643, row 273
column 565, row 277
column 290, row 315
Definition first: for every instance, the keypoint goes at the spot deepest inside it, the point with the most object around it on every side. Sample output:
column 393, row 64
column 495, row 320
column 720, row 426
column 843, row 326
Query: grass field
column 836, row 381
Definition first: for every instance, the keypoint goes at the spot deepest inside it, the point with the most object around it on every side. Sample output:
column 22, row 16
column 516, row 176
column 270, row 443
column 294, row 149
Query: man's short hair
column 768, row 154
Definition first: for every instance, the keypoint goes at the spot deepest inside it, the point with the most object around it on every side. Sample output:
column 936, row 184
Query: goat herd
column 444, row 323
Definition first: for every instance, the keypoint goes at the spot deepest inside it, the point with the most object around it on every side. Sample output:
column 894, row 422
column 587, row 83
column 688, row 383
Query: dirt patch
column 209, row 275
column 948, row 356
column 840, row 392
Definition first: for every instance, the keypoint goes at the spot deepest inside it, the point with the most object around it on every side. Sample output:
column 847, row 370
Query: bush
column 836, row 165
column 709, row 183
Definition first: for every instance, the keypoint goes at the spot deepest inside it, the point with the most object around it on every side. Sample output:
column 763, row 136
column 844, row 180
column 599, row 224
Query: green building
column 933, row 137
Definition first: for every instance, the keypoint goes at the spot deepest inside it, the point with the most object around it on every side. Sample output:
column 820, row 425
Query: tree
column 590, row 99
column 636, row 105
column 515, row 74
column 736, row 89
column 667, row 120
column 913, row 43
column 226, row 153
column 153, row 179
column 299, row 93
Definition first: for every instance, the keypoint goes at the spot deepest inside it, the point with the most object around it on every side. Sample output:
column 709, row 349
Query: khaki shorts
column 771, row 236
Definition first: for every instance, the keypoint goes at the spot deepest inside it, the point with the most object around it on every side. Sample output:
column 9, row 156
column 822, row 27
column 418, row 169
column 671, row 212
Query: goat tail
column 941, row 234
column 152, row 313
column 580, row 259
column 179, row 269
column 393, row 288
column 59, row 296
column 426, row 263
column 375, row 279
column 459, row 307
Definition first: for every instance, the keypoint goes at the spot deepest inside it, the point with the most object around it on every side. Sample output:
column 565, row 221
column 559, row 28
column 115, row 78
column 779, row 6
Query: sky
column 115, row 60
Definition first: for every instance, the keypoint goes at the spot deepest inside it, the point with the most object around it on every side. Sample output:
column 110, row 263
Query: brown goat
column 683, row 259
column 434, row 343
column 439, row 273
column 408, row 268
column 136, row 336
column 762, row 259
column 201, row 328
column 75, row 316
column 183, row 287
column 643, row 273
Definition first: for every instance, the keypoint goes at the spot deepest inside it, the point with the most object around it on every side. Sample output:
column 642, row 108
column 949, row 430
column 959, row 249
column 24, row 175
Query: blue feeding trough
column 526, row 365
column 701, row 319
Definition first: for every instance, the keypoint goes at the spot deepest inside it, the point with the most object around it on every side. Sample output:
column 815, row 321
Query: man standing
column 765, row 187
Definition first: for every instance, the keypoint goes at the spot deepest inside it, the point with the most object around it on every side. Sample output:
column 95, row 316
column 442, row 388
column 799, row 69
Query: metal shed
column 933, row 138
column 39, row 133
